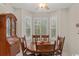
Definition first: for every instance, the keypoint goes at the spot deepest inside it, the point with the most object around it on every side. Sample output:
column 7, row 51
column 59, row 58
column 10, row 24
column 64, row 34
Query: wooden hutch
column 9, row 42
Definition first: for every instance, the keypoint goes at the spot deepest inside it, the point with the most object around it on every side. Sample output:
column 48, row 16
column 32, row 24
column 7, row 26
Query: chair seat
column 29, row 53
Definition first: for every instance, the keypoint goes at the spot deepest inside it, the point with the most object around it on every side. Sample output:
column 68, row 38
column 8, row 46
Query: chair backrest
column 23, row 44
column 46, row 47
column 35, row 38
column 45, row 38
column 60, row 43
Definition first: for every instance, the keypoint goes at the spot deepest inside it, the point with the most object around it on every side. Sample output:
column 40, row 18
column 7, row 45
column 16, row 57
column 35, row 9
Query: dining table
column 41, row 47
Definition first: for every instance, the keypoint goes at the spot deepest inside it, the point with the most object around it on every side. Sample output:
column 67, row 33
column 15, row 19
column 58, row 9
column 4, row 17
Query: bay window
column 41, row 26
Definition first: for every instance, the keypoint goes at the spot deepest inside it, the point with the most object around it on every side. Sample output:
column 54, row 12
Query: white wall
column 18, row 14
column 62, row 27
column 41, row 14
column 5, row 8
column 73, row 30
column 68, row 18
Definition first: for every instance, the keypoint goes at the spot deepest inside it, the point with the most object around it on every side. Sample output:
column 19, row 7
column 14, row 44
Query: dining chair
column 45, row 49
column 59, row 46
column 45, row 38
column 35, row 38
column 26, row 51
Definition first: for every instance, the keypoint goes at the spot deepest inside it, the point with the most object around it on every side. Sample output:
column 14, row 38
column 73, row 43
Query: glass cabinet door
column 13, row 27
column 8, row 27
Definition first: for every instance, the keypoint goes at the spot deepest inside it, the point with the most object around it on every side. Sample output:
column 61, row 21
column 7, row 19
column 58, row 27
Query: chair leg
column 52, row 54
column 60, row 53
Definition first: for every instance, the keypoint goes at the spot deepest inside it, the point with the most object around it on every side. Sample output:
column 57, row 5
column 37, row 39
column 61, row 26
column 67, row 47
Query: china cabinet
column 9, row 42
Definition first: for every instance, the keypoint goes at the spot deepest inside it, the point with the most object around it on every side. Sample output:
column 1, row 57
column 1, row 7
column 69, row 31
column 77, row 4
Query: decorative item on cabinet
column 9, row 42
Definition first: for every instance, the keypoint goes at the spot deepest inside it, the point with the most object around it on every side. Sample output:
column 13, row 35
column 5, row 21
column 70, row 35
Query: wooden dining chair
column 26, row 51
column 45, row 49
column 59, row 46
column 45, row 38
column 35, row 38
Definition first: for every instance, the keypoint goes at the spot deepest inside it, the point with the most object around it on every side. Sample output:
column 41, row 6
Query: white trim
column 51, row 18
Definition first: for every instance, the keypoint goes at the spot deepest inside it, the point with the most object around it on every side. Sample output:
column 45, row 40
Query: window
column 36, row 26
column 28, row 27
column 44, row 26
column 41, row 26
column 53, row 27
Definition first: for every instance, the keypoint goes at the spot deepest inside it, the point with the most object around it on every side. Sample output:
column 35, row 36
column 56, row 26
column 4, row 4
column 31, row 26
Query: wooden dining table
column 41, row 47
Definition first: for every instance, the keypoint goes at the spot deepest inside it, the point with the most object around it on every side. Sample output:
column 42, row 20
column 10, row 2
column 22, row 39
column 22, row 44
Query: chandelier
column 43, row 6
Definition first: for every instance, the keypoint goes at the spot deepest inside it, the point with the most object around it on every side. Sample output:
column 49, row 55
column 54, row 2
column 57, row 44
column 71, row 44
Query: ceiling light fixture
column 43, row 6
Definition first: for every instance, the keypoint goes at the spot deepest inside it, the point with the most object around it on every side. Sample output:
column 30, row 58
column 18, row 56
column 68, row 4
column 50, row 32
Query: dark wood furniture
column 25, row 50
column 59, row 45
column 45, row 38
column 35, row 38
column 42, row 48
column 45, row 49
column 9, row 42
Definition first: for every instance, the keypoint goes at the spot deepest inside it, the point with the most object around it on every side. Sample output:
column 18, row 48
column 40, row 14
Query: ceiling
column 33, row 7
